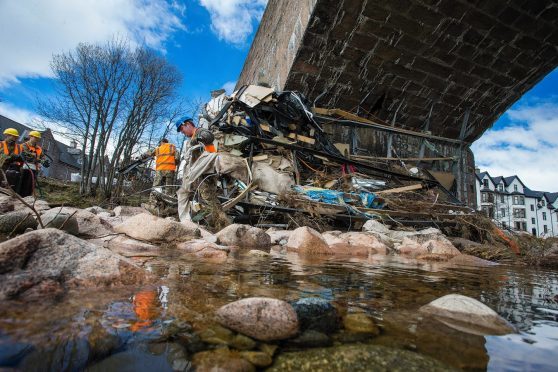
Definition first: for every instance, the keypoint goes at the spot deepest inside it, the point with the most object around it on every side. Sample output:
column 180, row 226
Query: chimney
column 73, row 144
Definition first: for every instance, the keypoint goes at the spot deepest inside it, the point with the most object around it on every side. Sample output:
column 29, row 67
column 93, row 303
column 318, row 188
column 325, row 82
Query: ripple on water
column 114, row 326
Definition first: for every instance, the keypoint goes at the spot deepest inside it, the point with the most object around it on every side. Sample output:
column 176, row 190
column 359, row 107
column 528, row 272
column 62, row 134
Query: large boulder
column 265, row 319
column 50, row 260
column 17, row 221
column 99, row 210
column 306, row 240
column 62, row 221
column 244, row 236
column 467, row 314
column 151, row 228
column 203, row 249
column 428, row 243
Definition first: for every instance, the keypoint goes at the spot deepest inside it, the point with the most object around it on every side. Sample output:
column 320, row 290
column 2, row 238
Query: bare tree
column 107, row 97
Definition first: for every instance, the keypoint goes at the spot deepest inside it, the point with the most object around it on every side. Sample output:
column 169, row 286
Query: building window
column 514, row 187
column 501, row 198
column 543, row 203
column 485, row 183
column 532, row 208
column 501, row 188
column 520, row 226
column 518, row 213
column 545, row 229
column 533, row 220
column 518, row 200
column 503, row 212
column 544, row 216
column 484, row 197
column 504, row 225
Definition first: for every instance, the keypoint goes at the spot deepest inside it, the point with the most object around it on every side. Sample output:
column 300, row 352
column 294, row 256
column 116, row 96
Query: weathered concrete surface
column 448, row 55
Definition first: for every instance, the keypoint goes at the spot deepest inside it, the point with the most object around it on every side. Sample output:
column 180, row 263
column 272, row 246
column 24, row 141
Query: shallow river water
column 160, row 327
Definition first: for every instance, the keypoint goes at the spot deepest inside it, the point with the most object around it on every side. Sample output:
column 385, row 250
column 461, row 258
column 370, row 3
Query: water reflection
column 86, row 330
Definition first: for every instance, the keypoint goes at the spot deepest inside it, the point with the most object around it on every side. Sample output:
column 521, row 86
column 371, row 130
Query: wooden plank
column 232, row 202
column 375, row 124
column 302, row 138
column 402, row 159
column 418, row 186
column 265, row 127
column 261, row 157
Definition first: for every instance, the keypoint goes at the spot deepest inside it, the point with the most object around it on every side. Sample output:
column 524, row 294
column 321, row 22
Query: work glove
column 46, row 163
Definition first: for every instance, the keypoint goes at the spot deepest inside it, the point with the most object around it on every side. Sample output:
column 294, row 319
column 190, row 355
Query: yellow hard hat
column 12, row 132
column 35, row 134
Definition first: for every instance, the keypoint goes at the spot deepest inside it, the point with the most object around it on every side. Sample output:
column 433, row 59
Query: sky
column 208, row 41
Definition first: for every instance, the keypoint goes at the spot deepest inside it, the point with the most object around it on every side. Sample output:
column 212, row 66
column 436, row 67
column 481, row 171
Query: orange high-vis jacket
column 36, row 150
column 18, row 149
column 208, row 148
column 165, row 157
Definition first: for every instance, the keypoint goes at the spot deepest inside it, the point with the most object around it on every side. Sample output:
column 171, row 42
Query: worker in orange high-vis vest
column 166, row 162
column 34, row 158
column 11, row 159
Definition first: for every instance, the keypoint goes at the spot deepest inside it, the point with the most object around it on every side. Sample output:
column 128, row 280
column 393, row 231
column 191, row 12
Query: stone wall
column 276, row 42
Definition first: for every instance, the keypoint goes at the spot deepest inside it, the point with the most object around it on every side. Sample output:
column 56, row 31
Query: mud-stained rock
column 127, row 247
column 468, row 315
column 427, row 244
column 262, row 318
column 221, row 360
column 204, row 249
column 375, row 227
column 90, row 225
column 38, row 261
column 316, row 314
column 205, row 234
column 306, row 240
column 356, row 358
column 244, row 236
column 279, row 237
column 151, row 228
column 360, row 323
column 99, row 210
column 127, row 211
column 17, row 221
column 39, row 204
column 6, row 203
column 468, row 260
column 62, row 221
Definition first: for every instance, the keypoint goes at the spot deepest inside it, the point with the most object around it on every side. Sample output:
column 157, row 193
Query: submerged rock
column 279, row 237
column 257, row 358
column 356, row 358
column 468, row 260
column 360, row 323
column 49, row 260
column 221, row 360
column 311, row 338
column 264, row 319
column 244, row 236
column 431, row 243
column 306, row 240
column 468, row 315
column 17, row 221
column 316, row 314
column 151, row 228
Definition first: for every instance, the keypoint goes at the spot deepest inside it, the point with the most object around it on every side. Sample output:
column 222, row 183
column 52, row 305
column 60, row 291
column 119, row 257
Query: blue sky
column 208, row 41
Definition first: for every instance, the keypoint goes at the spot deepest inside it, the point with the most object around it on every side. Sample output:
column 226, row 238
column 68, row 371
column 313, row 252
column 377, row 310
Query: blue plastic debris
column 365, row 199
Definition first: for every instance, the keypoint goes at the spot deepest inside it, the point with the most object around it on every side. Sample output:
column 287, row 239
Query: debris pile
column 277, row 161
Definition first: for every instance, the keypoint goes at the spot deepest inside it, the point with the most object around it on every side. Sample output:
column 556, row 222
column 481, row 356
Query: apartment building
column 512, row 205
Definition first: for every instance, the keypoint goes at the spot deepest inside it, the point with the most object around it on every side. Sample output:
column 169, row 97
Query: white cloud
column 527, row 147
column 229, row 87
column 32, row 31
column 232, row 20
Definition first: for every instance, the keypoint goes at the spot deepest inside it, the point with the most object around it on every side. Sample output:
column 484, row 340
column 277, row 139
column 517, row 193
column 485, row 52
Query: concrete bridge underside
column 428, row 60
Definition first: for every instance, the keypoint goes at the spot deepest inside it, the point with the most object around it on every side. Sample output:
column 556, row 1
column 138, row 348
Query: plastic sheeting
column 366, row 199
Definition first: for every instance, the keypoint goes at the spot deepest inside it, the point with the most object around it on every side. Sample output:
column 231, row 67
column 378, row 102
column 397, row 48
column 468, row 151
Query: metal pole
column 390, row 137
column 461, row 189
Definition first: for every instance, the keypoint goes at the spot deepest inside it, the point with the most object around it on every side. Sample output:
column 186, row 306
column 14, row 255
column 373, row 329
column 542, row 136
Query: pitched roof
column 66, row 157
column 6, row 123
column 551, row 196
column 497, row 180
column 532, row 193
column 481, row 175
